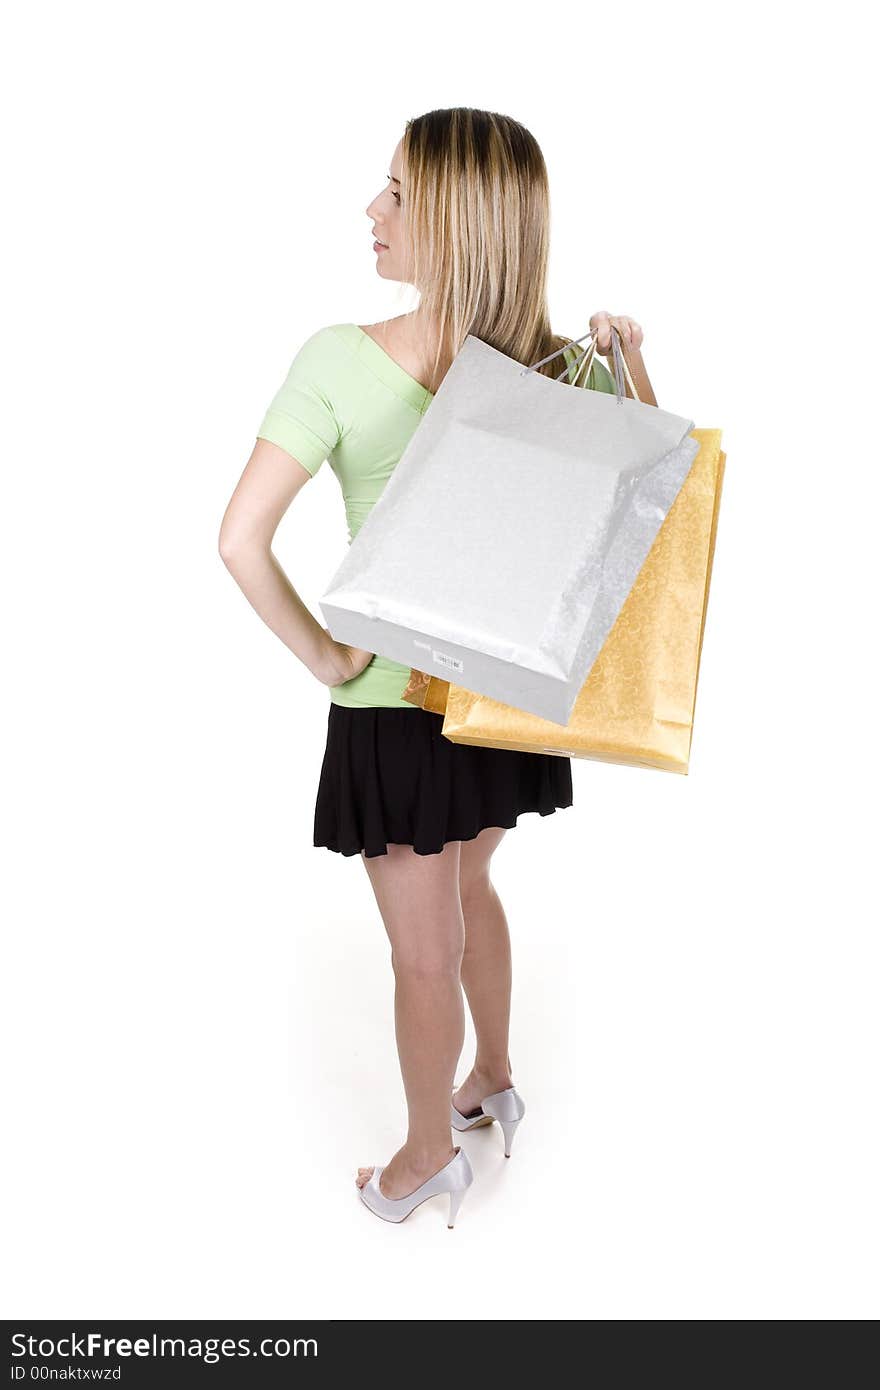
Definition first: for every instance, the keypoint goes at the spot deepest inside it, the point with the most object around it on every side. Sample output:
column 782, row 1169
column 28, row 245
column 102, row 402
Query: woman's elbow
column 227, row 544
column 235, row 534
column 233, row 545
column 240, row 548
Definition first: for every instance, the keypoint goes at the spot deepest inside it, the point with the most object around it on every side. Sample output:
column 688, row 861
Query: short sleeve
column 301, row 417
column 598, row 378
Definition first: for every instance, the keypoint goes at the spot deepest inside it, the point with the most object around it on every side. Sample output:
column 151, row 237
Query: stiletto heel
column 455, row 1201
column 509, row 1129
column 507, row 1107
column 455, row 1177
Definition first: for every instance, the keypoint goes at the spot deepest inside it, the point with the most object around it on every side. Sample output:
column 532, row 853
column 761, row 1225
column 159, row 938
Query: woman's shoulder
column 328, row 340
column 324, row 356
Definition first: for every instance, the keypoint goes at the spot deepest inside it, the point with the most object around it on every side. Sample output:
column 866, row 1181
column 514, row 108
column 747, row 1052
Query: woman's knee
column 418, row 896
column 416, row 958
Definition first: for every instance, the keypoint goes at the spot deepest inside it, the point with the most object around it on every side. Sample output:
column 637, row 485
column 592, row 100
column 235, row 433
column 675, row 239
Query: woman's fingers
column 600, row 324
column 360, row 659
column 621, row 323
column 630, row 331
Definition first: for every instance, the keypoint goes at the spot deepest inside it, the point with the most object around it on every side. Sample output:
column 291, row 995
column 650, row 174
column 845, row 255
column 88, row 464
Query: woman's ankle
column 492, row 1076
column 421, row 1153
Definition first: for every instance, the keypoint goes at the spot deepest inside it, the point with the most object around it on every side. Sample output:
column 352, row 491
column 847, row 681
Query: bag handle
column 621, row 368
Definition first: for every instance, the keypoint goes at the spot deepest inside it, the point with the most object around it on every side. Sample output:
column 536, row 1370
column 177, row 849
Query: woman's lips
column 379, row 246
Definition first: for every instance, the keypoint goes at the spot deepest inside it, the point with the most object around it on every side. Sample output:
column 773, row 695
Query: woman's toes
column 363, row 1177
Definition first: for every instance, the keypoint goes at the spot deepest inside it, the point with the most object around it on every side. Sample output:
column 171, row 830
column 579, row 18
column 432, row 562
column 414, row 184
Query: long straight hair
column 477, row 216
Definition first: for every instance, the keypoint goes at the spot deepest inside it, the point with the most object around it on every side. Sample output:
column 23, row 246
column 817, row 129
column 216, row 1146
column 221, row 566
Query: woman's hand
column 631, row 339
column 342, row 662
column 630, row 332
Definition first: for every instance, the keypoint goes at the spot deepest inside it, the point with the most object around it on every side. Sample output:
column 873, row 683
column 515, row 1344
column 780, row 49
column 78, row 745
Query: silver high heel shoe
column 507, row 1107
column 455, row 1178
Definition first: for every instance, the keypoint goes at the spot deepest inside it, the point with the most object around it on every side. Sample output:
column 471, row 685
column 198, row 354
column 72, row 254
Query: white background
column 198, row 1037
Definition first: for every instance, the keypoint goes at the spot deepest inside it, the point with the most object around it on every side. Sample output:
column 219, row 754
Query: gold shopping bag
column 637, row 704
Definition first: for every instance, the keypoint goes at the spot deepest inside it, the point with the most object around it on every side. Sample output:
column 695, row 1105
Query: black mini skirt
column 389, row 776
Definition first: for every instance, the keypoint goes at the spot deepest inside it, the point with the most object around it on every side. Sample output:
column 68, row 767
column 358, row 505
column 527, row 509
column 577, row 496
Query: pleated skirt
column 390, row 777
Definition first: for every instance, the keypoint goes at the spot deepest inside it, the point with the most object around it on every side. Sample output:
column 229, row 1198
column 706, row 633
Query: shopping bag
column 637, row 705
column 512, row 529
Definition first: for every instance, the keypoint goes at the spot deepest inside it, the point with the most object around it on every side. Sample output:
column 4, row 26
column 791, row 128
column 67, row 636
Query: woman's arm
column 636, row 364
column 269, row 483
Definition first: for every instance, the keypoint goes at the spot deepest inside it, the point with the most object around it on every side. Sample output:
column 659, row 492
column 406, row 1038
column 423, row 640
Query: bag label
column 452, row 662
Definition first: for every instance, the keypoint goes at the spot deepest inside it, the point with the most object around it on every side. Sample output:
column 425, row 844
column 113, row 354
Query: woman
column 464, row 217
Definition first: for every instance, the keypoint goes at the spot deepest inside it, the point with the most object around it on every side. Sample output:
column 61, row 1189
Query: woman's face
column 386, row 223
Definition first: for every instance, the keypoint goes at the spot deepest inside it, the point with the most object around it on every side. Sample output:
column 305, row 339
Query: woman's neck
column 423, row 335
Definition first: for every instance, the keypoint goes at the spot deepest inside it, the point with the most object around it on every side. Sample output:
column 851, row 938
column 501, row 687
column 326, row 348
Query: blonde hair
column 477, row 214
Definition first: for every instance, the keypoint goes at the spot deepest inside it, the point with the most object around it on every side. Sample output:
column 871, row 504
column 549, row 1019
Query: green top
column 345, row 399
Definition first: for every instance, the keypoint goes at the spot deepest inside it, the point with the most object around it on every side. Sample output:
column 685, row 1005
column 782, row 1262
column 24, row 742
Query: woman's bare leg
column 485, row 971
column 418, row 897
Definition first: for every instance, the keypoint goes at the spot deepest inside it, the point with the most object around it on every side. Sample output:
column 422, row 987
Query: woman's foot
column 407, row 1171
column 476, row 1086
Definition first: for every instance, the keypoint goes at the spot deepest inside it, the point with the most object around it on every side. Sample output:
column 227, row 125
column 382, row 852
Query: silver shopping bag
column 510, row 533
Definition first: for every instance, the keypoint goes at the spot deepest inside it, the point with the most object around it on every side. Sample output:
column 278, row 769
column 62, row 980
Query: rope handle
column 621, row 368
